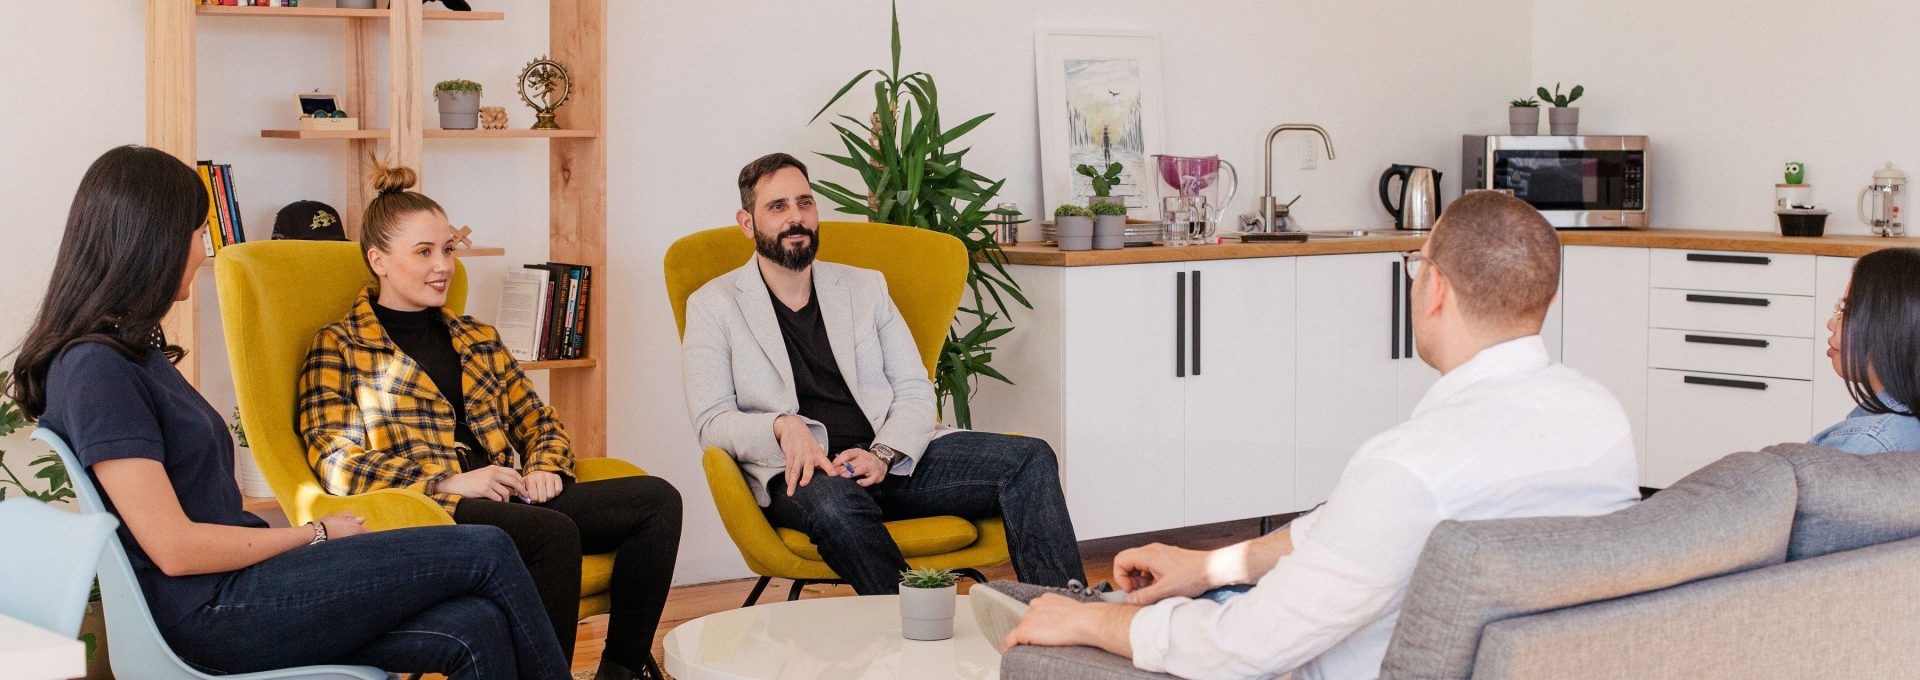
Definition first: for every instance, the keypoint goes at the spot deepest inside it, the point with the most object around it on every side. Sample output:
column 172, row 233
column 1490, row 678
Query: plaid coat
column 373, row 420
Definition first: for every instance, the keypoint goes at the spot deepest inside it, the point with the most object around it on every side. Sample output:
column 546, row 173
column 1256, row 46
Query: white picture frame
column 1103, row 77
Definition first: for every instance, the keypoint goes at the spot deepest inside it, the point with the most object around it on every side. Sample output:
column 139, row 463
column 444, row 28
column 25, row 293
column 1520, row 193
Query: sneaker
column 998, row 606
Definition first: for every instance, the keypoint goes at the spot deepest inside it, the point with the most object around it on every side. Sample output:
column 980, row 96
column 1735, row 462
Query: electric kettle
column 1419, row 204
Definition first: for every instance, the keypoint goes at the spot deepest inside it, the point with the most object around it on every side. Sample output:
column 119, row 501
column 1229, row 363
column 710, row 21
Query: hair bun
column 387, row 180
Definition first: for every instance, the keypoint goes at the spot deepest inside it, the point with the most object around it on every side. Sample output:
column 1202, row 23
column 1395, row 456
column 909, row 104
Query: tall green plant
column 914, row 177
column 47, row 468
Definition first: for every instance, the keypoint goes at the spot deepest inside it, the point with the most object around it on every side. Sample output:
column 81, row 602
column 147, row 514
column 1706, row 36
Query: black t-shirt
column 816, row 377
column 107, row 408
column 423, row 335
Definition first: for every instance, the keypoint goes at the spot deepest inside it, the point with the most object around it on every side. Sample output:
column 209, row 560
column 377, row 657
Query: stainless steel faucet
column 1271, row 207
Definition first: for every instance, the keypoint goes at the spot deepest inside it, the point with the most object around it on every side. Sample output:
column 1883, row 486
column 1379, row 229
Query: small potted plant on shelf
column 1564, row 118
column 1523, row 117
column 926, row 603
column 1109, row 226
column 1103, row 181
column 459, row 104
column 1073, row 227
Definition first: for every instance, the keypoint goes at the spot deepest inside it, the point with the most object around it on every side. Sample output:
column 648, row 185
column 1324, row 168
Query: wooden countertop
column 1691, row 239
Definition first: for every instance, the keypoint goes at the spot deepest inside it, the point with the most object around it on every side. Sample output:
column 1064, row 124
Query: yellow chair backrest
column 274, row 297
column 926, row 270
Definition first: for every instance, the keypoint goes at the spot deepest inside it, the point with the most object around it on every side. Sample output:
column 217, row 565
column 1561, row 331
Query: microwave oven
column 1576, row 182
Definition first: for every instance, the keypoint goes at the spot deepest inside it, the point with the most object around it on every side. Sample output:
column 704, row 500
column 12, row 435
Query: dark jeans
column 635, row 518
column 446, row 599
column 971, row 474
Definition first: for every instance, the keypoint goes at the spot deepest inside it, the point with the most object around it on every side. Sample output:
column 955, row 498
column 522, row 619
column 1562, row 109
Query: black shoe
column 610, row 670
column 455, row 5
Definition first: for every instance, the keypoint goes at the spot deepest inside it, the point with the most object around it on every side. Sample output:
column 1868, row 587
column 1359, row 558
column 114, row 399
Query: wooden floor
column 691, row 602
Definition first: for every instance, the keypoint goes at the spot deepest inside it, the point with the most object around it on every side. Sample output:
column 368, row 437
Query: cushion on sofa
column 1850, row 501
column 1731, row 516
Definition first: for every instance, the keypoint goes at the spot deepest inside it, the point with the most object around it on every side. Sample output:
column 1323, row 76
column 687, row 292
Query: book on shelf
column 223, row 210
column 562, row 310
column 521, row 306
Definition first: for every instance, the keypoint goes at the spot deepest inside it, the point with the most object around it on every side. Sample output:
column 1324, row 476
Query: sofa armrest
column 384, row 509
column 596, row 469
column 1841, row 615
column 1028, row 662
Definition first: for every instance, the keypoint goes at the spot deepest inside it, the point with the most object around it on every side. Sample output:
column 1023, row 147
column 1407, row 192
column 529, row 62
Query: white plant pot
column 1109, row 232
column 927, row 613
column 246, row 471
column 1564, row 120
column 1075, row 232
column 458, row 110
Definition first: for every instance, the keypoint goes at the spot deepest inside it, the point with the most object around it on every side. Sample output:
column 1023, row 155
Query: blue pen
column 849, row 467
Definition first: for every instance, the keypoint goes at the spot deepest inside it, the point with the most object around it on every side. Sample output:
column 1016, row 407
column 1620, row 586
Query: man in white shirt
column 1503, row 433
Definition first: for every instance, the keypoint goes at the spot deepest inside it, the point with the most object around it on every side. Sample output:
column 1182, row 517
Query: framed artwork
column 1100, row 103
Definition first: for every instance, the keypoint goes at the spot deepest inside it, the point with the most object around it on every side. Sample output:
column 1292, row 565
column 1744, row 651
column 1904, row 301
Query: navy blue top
column 1869, row 433
column 107, row 407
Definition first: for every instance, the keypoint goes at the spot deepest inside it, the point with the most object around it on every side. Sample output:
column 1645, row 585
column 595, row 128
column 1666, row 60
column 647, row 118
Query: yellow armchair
column 274, row 297
column 926, row 272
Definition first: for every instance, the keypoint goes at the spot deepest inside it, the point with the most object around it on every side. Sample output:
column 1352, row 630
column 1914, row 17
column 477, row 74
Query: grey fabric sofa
column 1791, row 562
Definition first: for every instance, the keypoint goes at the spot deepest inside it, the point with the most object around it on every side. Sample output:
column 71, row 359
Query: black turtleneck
column 423, row 335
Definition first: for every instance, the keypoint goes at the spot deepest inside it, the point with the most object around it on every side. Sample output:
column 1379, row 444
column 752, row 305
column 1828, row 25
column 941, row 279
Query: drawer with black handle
column 1733, row 353
column 1732, row 271
column 1695, row 418
column 1750, row 313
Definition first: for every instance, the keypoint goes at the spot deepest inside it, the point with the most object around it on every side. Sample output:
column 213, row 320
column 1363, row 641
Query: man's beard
column 796, row 259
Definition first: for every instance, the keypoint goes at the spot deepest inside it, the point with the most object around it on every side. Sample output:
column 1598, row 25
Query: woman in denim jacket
column 1874, row 343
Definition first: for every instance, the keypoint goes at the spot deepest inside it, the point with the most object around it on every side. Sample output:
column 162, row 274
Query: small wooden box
column 310, row 123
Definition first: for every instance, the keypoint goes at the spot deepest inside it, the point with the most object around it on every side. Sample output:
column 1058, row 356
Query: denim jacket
column 1867, row 433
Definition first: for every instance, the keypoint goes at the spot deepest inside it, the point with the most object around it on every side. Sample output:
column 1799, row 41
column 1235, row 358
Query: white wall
column 698, row 89
column 1730, row 94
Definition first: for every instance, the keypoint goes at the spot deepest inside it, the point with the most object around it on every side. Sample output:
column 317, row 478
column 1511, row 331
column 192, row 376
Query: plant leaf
column 837, row 95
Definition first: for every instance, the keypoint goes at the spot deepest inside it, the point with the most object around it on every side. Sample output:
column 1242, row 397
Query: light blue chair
column 134, row 645
column 46, row 561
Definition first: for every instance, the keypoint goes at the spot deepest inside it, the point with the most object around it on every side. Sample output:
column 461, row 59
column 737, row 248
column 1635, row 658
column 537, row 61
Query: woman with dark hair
column 230, row 594
column 403, row 394
column 1875, row 348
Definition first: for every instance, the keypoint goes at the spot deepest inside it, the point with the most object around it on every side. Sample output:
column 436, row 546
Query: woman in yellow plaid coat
column 376, row 412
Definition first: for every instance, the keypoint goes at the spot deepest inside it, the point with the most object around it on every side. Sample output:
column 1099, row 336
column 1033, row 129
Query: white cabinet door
column 1604, row 326
column 1347, row 375
column 1125, row 407
column 1240, row 390
column 1697, row 418
column 1830, row 401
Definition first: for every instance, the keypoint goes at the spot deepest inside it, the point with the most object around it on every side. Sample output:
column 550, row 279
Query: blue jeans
column 453, row 600
column 975, row 475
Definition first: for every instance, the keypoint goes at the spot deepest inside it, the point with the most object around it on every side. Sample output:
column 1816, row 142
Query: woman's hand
column 343, row 524
column 542, row 486
column 491, row 482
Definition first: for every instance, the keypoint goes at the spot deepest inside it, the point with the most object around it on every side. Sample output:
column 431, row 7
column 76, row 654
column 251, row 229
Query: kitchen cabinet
column 1697, row 418
column 1831, row 403
column 1604, row 325
column 1350, row 346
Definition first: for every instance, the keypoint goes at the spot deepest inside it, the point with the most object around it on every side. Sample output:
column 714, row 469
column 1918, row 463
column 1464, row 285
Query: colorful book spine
column 586, row 304
column 213, row 213
column 237, row 230
column 225, row 236
column 573, row 313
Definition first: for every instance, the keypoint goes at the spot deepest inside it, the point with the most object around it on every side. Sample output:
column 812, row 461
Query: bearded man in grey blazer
column 806, row 373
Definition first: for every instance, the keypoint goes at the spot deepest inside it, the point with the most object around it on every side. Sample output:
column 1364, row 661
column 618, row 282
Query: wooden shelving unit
column 577, row 157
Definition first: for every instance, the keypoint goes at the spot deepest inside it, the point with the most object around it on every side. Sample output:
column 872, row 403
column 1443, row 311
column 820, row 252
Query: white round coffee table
column 832, row 637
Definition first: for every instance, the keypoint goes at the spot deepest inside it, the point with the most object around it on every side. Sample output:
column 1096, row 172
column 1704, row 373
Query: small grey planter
column 1523, row 120
column 1564, row 120
column 458, row 110
column 1109, row 232
column 1075, row 232
column 926, row 613
column 1097, row 200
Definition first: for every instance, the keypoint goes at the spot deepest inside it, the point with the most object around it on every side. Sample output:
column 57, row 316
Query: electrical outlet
column 1309, row 154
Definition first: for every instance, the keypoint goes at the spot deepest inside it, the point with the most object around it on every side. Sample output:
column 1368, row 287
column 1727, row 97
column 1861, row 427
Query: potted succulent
column 245, row 468
column 926, row 603
column 1103, row 181
column 1563, row 119
column 1523, row 117
column 1073, row 226
column 1109, row 226
column 459, row 104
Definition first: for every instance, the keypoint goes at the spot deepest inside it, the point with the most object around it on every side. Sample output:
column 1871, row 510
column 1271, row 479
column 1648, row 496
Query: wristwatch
column 319, row 533
column 886, row 454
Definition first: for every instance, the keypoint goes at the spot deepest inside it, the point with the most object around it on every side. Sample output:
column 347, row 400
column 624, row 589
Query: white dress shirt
column 1506, row 434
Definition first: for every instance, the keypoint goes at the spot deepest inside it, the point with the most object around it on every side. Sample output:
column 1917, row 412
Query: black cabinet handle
column 1196, row 322
column 1728, row 300
column 1406, row 328
column 1393, row 333
column 1723, row 382
column 1717, row 340
column 1729, row 259
column 1179, row 324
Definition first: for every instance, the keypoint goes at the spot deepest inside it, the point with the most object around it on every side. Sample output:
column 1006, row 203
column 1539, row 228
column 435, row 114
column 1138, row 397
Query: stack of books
column 544, row 311
column 223, row 214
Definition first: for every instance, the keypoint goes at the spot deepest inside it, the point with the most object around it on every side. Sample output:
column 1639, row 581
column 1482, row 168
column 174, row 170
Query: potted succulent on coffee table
column 1523, row 117
column 1103, row 181
column 927, row 597
column 459, row 104
column 1564, row 117
column 1109, row 226
column 1073, row 227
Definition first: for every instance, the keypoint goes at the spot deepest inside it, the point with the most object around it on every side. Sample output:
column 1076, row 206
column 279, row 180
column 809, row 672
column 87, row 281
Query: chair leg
column 798, row 585
column 758, row 588
column 972, row 574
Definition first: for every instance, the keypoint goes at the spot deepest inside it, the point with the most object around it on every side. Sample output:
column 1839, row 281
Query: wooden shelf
column 258, row 503
column 429, row 134
column 336, row 13
column 558, row 364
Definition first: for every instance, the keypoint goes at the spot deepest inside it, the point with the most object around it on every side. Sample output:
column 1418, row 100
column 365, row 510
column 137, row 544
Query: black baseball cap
column 309, row 221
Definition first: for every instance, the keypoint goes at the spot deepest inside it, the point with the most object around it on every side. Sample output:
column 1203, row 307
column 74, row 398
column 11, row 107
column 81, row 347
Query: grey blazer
column 739, row 379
